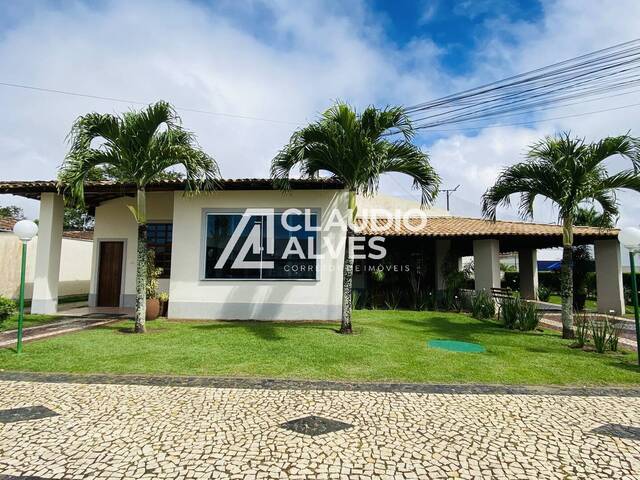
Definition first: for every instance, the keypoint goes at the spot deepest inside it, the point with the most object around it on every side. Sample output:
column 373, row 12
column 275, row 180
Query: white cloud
column 568, row 28
column 196, row 58
column 289, row 67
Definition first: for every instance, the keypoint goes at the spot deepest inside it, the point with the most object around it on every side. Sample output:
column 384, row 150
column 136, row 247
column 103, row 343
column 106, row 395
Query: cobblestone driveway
column 145, row 431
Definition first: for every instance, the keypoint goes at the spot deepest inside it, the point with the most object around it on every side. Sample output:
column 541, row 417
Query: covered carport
column 485, row 240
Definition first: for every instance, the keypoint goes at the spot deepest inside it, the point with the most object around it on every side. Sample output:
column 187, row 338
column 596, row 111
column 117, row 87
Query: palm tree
column 136, row 147
column 356, row 149
column 569, row 172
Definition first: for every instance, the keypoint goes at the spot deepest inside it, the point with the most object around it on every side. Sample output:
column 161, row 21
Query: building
column 76, row 250
column 202, row 241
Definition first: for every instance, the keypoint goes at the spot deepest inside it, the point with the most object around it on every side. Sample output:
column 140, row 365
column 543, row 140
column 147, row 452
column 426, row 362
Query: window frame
column 163, row 222
column 239, row 211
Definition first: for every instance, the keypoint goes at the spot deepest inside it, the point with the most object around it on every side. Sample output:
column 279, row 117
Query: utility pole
column 448, row 192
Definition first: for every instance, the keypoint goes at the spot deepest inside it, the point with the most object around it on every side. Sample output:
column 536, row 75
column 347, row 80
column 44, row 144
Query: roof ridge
column 458, row 217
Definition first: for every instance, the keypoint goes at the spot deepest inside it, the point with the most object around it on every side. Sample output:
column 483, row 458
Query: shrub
column 510, row 311
column 153, row 274
column 519, row 314
column 428, row 301
column 355, row 299
column 600, row 334
column 466, row 300
column 7, row 308
column 582, row 330
column 529, row 316
column 482, row 305
column 550, row 280
column 392, row 299
column 614, row 335
column 544, row 293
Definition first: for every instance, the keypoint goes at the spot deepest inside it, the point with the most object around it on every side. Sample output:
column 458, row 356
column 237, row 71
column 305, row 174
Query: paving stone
column 188, row 430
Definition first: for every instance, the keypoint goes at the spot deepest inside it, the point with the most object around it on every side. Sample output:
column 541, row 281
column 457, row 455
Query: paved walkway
column 52, row 329
column 162, row 429
column 72, row 317
column 627, row 338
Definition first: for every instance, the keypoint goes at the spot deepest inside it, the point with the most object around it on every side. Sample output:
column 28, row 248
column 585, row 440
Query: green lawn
column 29, row 321
column 592, row 305
column 388, row 346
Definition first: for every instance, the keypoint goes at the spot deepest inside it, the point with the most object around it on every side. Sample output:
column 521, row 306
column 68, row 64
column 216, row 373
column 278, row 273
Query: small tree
column 12, row 211
column 569, row 172
column 357, row 149
column 137, row 147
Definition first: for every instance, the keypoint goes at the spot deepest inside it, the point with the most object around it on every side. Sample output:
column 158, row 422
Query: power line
column 137, row 102
column 584, row 78
column 570, row 82
column 533, row 122
column 553, row 107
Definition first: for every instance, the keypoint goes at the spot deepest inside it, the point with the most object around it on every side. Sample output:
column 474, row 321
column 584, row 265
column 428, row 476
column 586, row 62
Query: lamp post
column 630, row 238
column 25, row 230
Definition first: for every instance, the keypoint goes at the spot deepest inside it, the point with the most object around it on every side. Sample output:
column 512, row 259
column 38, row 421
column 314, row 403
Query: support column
column 528, row 266
column 609, row 276
column 47, row 271
column 486, row 264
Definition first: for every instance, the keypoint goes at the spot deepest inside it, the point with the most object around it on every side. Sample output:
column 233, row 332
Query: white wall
column 75, row 266
column 114, row 221
column 191, row 297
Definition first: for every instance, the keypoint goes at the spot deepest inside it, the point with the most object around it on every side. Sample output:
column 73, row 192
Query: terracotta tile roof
column 6, row 225
column 474, row 227
column 19, row 187
column 78, row 234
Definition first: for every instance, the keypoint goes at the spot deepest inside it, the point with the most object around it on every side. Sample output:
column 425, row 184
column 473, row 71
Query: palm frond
column 356, row 150
column 136, row 147
column 404, row 157
column 623, row 145
column 569, row 172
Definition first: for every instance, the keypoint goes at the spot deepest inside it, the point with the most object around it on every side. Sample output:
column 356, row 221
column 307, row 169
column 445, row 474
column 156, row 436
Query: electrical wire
column 137, row 102
column 614, row 71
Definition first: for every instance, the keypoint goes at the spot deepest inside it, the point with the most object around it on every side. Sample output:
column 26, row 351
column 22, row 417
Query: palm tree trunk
column 347, row 272
column 141, row 263
column 347, row 283
column 566, row 279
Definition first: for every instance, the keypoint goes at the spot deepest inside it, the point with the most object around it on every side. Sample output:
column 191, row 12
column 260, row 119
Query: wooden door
column 110, row 274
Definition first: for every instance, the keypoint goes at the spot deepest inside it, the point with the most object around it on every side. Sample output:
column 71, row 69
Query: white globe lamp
column 25, row 230
column 630, row 238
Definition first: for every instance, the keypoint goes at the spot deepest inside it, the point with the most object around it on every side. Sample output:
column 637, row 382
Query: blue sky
column 456, row 27
column 289, row 60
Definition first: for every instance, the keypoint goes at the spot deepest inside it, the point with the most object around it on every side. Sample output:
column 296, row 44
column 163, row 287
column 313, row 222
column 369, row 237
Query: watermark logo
column 264, row 236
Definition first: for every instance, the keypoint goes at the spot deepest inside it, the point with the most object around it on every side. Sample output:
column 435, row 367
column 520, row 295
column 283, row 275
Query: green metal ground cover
column 456, row 346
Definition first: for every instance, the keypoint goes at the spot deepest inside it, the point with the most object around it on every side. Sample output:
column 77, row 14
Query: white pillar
column 47, row 271
column 609, row 276
column 528, row 266
column 486, row 264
